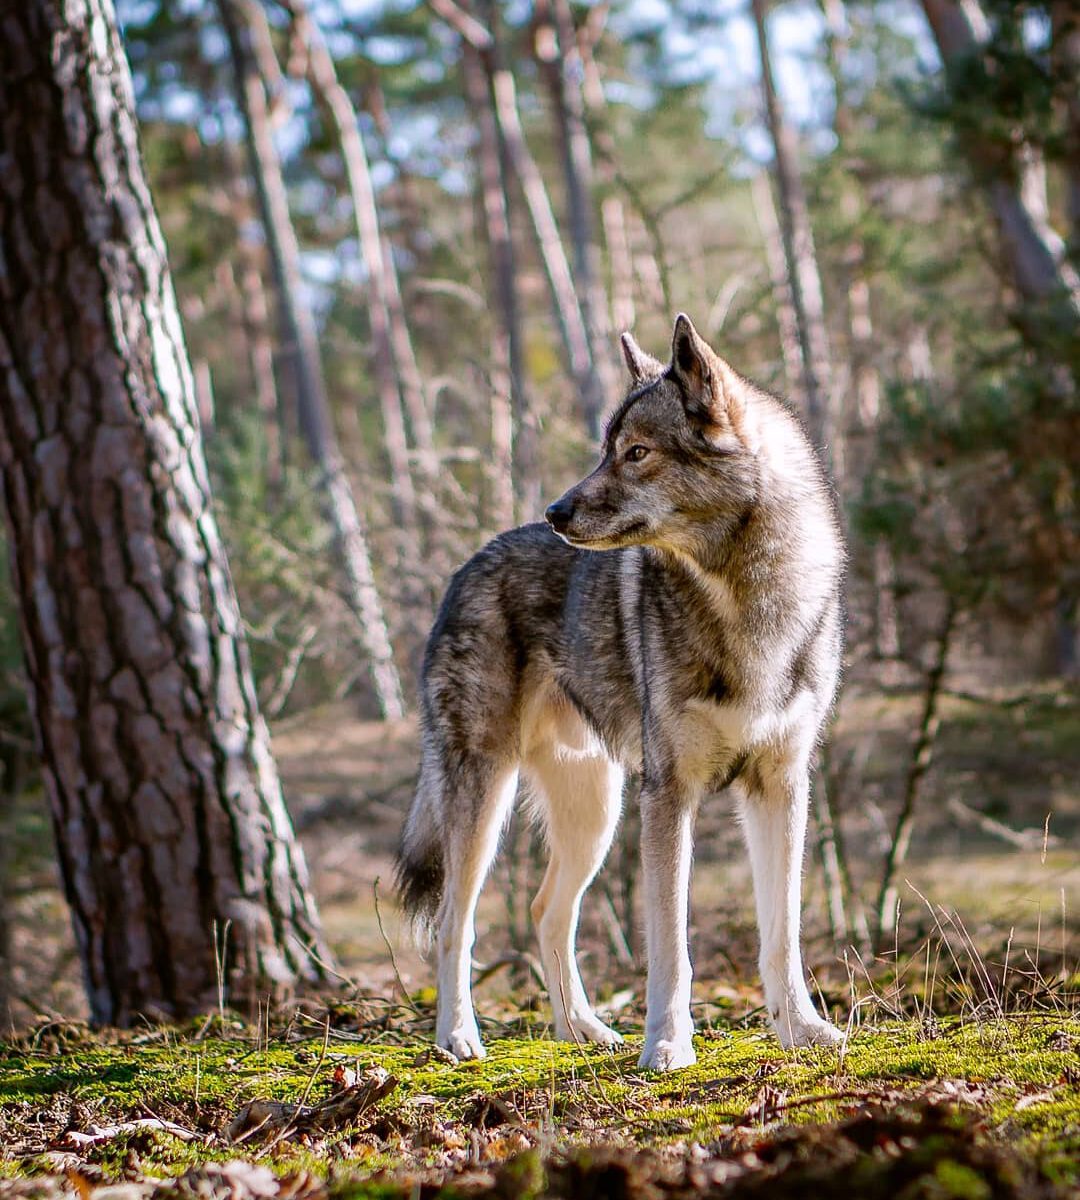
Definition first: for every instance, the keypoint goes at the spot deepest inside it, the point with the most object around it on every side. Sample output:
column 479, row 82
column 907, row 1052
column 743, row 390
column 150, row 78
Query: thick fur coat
column 679, row 615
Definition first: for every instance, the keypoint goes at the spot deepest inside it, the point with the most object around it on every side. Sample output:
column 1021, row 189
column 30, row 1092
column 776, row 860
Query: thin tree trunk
column 172, row 833
column 613, row 219
column 825, row 835
column 253, row 26
column 11, row 782
column 552, row 254
column 302, row 347
column 277, row 407
column 484, row 39
column 1038, row 275
column 509, row 346
column 612, row 213
column 549, row 243
column 787, row 326
column 561, row 63
column 261, row 357
column 805, row 280
column 395, row 358
column 866, row 380
column 922, row 755
column 1065, row 57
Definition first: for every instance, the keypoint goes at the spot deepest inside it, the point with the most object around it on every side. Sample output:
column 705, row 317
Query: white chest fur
column 712, row 736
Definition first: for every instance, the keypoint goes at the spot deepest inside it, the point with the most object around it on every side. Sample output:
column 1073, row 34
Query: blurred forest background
column 404, row 239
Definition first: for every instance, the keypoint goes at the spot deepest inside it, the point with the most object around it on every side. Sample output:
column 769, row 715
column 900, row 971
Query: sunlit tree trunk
column 261, row 358
column 805, row 279
column 506, row 382
column 1065, row 58
column 301, row 343
column 786, row 324
column 11, row 773
column 550, row 247
column 860, row 418
column 561, row 62
column 484, row 38
column 396, row 363
column 1038, row 274
column 176, row 852
column 612, row 212
column 508, row 350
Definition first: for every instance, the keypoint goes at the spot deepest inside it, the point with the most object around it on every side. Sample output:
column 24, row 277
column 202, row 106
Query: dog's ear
column 691, row 361
column 707, row 382
column 641, row 366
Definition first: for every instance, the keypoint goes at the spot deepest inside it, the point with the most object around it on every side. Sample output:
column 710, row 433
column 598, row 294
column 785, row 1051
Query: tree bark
column 518, row 160
column 612, row 213
column 1065, row 58
column 301, row 345
column 922, row 754
column 805, row 280
column 860, row 418
column 561, row 62
column 170, row 824
column 395, row 358
column 552, row 253
column 11, row 773
column 478, row 63
column 261, row 361
column 513, row 430
column 1039, row 276
column 786, row 324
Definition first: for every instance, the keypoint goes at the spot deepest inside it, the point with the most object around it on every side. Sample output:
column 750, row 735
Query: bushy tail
column 420, row 857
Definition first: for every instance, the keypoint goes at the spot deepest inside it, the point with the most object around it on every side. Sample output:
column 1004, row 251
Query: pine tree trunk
column 805, row 280
column 560, row 59
column 261, row 361
column 507, row 383
column 786, row 324
column 395, row 360
column 612, row 213
column 301, row 344
column 549, row 244
column 1065, row 58
column 11, row 772
column 170, row 824
column 1038, row 275
column 860, row 419
column 508, row 352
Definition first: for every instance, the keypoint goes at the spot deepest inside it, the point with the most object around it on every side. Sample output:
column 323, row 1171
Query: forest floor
column 363, row 1107
column 960, row 1077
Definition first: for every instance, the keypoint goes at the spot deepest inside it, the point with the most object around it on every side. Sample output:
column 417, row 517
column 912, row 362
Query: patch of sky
column 714, row 44
column 455, row 181
column 382, row 174
column 181, row 105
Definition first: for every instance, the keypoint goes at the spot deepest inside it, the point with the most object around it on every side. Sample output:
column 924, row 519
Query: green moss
column 742, row 1080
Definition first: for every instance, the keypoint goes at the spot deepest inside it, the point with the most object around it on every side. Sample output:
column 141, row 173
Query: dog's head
column 678, row 454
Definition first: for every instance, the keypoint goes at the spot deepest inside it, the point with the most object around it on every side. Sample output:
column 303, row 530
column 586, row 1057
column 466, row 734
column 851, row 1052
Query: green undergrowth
column 1016, row 1080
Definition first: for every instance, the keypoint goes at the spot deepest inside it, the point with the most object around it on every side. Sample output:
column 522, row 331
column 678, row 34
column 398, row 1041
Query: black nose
column 560, row 514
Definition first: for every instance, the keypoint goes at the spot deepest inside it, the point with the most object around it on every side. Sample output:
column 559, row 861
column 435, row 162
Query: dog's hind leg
column 581, row 798
column 476, row 802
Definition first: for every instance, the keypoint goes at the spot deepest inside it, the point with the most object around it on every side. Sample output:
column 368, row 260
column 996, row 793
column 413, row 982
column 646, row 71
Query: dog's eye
column 636, row 453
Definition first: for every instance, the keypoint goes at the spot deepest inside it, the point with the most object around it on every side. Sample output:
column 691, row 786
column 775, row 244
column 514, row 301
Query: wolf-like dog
column 679, row 615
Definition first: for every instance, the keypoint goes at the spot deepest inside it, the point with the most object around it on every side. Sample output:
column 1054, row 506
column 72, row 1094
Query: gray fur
column 701, row 647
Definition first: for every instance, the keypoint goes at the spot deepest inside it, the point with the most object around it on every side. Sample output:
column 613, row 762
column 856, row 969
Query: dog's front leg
column 667, row 829
column 775, row 812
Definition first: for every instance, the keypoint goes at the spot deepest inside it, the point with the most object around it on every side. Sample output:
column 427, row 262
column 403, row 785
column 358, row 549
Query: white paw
column 667, row 1056
column 587, row 1029
column 463, row 1043
column 810, row 1030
